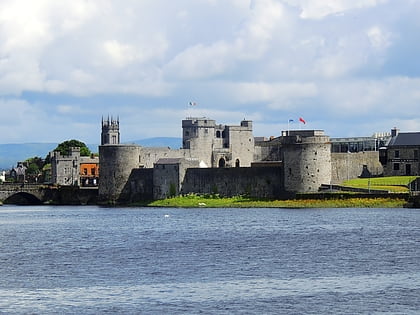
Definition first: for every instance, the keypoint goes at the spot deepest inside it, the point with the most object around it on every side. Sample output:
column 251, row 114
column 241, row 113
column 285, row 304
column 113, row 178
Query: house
column 89, row 171
column 401, row 155
column 18, row 173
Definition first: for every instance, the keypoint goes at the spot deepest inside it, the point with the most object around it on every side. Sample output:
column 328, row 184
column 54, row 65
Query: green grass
column 392, row 183
column 196, row 201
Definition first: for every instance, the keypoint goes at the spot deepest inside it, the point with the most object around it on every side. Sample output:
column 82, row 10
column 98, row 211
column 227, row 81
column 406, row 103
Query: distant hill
column 10, row 154
column 173, row 143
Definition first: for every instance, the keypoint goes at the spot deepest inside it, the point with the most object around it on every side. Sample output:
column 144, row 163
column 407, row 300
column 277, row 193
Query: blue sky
column 349, row 67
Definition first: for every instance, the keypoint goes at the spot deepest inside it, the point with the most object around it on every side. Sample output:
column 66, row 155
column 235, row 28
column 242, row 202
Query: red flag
column 302, row 120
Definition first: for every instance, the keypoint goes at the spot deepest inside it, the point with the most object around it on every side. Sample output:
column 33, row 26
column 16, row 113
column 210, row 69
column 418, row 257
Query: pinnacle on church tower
column 110, row 131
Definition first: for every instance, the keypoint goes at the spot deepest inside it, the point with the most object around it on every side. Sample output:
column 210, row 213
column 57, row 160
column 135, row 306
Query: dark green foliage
column 64, row 147
column 34, row 164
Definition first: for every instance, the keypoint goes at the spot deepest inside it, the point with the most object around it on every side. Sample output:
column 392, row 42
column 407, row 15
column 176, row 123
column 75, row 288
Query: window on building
column 218, row 134
column 187, row 133
column 397, row 154
column 85, row 171
column 396, row 166
column 237, row 163
column 416, row 154
column 93, row 171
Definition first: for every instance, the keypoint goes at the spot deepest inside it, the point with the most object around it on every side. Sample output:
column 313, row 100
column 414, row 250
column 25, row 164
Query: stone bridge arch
column 22, row 198
column 21, row 194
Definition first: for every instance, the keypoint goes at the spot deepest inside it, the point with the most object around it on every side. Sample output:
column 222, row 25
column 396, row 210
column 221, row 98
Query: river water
column 93, row 260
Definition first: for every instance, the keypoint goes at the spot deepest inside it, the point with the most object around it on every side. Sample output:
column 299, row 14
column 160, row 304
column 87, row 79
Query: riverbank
column 194, row 201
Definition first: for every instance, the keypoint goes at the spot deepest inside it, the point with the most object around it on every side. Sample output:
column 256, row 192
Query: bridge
column 20, row 193
column 33, row 194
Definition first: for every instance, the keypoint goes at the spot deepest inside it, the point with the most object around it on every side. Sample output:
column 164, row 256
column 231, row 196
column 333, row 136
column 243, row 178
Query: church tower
column 110, row 131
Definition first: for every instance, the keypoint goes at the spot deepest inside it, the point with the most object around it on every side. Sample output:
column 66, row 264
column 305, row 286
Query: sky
column 348, row 67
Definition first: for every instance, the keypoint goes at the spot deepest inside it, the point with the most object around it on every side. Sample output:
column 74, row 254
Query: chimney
column 394, row 132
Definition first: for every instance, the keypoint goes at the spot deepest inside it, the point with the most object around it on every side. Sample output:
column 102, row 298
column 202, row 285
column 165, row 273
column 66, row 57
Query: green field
column 392, row 183
column 209, row 201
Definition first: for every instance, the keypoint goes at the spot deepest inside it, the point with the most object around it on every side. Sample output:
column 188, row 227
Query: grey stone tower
column 110, row 131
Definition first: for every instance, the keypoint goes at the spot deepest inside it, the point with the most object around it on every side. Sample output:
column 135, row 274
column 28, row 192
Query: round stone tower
column 307, row 160
column 116, row 163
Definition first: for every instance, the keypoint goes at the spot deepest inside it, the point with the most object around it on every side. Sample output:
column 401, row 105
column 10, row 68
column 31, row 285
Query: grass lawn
column 197, row 201
column 392, row 183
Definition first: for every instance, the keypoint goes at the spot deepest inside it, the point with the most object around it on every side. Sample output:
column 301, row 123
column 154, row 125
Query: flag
column 291, row 120
column 192, row 103
column 302, row 120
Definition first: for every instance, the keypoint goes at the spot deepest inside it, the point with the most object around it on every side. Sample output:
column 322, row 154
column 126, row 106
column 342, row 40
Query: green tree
column 64, row 147
column 34, row 168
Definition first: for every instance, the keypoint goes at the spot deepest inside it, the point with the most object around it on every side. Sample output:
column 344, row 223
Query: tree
column 64, row 147
column 34, row 167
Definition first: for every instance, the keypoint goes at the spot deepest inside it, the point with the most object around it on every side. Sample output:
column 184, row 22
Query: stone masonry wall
column 139, row 186
column 307, row 163
column 252, row 181
column 350, row 165
column 117, row 162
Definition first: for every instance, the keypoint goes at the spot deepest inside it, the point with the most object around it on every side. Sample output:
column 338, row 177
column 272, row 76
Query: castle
column 224, row 159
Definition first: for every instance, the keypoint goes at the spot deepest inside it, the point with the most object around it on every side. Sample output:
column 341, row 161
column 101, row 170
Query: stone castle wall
column 350, row 165
column 307, row 163
column 252, row 181
column 116, row 162
column 148, row 156
column 139, row 186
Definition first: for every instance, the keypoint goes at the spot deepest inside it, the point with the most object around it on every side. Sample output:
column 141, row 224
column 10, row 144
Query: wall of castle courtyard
column 350, row 165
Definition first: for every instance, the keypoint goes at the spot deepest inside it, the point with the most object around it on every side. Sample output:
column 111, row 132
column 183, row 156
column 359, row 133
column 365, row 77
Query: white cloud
column 278, row 95
column 379, row 39
column 318, row 9
column 259, row 58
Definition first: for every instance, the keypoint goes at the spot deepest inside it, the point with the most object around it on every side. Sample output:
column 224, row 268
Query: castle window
column 397, row 154
column 206, row 130
column 218, row 134
column 416, row 154
column 396, row 166
column 237, row 163
column 92, row 171
column 223, row 134
column 85, row 171
column 187, row 133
